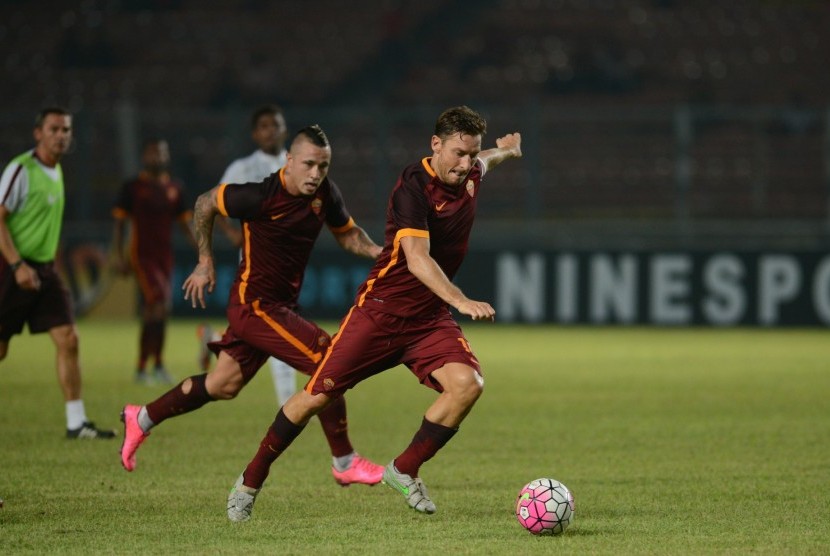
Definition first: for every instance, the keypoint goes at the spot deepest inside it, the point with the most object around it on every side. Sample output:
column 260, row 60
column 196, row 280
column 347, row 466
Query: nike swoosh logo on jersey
column 440, row 207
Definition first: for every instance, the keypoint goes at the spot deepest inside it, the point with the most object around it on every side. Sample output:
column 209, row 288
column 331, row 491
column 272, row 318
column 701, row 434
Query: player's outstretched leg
column 241, row 501
column 413, row 489
column 134, row 435
column 187, row 396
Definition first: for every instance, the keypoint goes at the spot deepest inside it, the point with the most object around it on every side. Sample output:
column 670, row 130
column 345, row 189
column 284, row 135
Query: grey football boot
column 414, row 490
column 241, row 501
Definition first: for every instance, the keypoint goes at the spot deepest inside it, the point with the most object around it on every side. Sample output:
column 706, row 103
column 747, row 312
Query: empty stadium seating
column 615, row 97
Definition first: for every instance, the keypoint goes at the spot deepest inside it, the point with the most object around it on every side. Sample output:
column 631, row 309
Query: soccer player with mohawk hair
column 281, row 219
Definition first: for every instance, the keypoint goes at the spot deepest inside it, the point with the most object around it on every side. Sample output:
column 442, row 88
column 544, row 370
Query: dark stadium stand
column 638, row 109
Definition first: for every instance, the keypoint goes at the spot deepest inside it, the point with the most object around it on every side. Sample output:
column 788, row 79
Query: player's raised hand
column 477, row 310
column 507, row 147
column 203, row 276
column 511, row 142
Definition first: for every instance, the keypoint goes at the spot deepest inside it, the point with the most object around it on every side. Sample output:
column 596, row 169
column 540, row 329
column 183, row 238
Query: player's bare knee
column 229, row 389
column 319, row 402
column 67, row 342
column 302, row 406
column 469, row 387
column 229, row 393
column 474, row 390
column 219, row 389
column 226, row 380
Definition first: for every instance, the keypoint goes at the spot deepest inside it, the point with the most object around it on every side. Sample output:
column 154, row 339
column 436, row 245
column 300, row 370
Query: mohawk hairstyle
column 315, row 134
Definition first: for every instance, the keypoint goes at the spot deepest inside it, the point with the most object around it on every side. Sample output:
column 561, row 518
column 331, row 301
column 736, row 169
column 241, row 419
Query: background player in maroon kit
column 152, row 202
column 401, row 314
column 281, row 219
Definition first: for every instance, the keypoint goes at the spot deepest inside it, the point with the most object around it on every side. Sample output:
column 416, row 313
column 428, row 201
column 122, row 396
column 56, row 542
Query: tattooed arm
column 204, row 275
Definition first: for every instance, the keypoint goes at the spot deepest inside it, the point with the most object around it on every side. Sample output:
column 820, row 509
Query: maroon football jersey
column 421, row 205
column 153, row 205
column 278, row 231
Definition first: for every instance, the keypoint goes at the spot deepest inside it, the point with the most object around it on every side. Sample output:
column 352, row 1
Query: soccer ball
column 545, row 507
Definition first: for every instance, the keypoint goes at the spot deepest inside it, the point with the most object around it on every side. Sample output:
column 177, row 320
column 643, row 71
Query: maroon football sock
column 175, row 401
column 280, row 435
column 144, row 341
column 430, row 438
column 155, row 340
column 336, row 428
column 159, row 347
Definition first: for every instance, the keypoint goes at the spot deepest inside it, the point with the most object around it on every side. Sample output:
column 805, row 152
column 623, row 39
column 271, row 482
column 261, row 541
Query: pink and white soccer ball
column 545, row 507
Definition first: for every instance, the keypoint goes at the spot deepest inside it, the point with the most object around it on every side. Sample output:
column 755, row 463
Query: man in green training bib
column 31, row 291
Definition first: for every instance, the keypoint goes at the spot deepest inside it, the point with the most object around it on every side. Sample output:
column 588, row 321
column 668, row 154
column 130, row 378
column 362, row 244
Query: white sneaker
column 241, row 501
column 414, row 490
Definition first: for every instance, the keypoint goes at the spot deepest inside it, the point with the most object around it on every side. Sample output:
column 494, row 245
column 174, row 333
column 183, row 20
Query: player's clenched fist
column 511, row 142
column 477, row 310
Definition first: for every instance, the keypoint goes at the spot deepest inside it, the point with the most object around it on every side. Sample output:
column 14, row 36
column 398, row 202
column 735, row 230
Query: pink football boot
column 133, row 435
column 361, row 471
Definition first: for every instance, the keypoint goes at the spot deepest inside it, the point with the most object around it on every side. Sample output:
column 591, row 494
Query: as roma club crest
column 471, row 188
column 316, row 205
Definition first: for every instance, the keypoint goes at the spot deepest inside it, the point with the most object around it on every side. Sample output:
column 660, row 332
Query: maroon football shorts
column 154, row 280
column 257, row 331
column 42, row 310
column 370, row 342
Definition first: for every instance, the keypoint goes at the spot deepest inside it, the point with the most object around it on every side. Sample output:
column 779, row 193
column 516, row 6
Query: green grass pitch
column 673, row 441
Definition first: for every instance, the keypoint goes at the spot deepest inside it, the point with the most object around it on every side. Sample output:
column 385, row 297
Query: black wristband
column 16, row 265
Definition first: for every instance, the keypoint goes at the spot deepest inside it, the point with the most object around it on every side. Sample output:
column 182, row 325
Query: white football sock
column 75, row 414
column 144, row 420
column 285, row 383
column 343, row 462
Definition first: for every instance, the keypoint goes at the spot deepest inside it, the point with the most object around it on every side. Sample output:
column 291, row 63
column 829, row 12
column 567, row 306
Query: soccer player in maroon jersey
column 152, row 202
column 281, row 219
column 401, row 313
